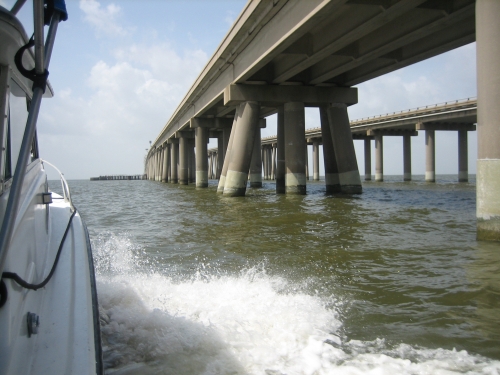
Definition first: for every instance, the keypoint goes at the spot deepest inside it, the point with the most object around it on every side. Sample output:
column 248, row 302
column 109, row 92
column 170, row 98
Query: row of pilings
column 241, row 159
column 119, row 177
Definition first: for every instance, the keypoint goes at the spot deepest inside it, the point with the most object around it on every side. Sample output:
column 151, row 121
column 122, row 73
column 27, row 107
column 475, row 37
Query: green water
column 398, row 263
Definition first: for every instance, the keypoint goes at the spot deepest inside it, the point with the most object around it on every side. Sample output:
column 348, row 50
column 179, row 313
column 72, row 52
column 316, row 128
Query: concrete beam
column 392, row 132
column 444, row 126
column 210, row 122
column 274, row 95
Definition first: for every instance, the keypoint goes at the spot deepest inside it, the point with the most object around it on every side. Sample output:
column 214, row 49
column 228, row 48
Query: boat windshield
column 18, row 105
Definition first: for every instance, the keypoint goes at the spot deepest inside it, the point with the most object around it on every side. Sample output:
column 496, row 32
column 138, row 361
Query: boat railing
column 64, row 184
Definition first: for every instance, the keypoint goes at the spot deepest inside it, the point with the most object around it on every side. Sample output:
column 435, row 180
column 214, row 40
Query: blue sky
column 120, row 68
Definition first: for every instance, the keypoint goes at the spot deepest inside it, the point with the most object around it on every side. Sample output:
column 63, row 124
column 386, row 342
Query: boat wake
column 251, row 323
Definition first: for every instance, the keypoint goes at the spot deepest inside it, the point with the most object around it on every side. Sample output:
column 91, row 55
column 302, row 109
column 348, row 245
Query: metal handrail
column 64, row 184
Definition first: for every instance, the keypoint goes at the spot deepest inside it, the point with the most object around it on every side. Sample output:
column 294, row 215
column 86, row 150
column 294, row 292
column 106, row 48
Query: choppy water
column 388, row 282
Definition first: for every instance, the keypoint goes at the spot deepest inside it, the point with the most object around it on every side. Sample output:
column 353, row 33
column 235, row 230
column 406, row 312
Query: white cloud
column 164, row 62
column 132, row 98
column 102, row 19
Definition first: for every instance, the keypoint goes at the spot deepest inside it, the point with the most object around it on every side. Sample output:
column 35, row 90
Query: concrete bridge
column 281, row 56
column 458, row 115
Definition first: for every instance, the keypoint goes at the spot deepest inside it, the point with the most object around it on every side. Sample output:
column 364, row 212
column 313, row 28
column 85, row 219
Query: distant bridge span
column 457, row 115
column 283, row 55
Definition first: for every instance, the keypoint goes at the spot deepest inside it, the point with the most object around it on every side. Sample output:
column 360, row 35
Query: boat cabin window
column 16, row 123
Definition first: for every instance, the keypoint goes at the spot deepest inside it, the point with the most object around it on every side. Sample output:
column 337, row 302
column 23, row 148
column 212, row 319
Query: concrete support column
column 227, row 150
column 210, row 164
column 332, row 182
column 164, row 175
column 406, row 157
column 430, row 156
column 379, row 157
column 219, row 156
column 307, row 163
column 264, row 162
column 201, row 139
column 463, row 157
column 488, row 119
column 192, row 162
column 273, row 161
column 280, row 152
column 160, row 164
column 295, row 148
column 183, row 160
column 153, row 166
column 241, row 149
column 270, row 162
column 157, row 163
column 350, row 181
column 174, row 155
column 316, row 161
column 256, row 163
column 368, row 159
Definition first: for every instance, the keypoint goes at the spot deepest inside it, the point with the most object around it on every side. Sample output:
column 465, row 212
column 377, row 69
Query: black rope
column 24, row 284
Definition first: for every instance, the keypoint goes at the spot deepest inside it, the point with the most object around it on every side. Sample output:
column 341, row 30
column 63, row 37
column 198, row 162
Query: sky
column 120, row 68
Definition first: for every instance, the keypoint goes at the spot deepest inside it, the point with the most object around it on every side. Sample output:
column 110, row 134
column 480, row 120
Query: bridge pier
column 379, row 158
column 256, row 162
column 191, row 162
column 315, row 160
column 162, row 152
column 406, row 157
column 210, row 164
column 201, row 140
column 488, row 116
column 166, row 162
column 350, row 181
column 295, row 148
column 463, row 168
column 241, row 150
column 174, row 155
column 226, row 134
column 153, row 166
column 430, row 155
column 307, row 163
column 157, row 165
column 273, row 166
column 280, row 152
column 227, row 152
column 263, row 153
column 332, row 181
column 368, row 159
column 183, row 159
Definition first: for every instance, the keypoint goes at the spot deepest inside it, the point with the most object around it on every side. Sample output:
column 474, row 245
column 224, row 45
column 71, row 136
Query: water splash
column 249, row 323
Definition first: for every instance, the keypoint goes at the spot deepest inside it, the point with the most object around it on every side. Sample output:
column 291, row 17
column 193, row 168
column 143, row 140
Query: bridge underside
column 282, row 55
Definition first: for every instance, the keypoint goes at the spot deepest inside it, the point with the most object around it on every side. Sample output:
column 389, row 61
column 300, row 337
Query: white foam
column 250, row 323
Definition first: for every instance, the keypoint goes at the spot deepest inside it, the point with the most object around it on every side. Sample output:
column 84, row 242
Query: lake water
column 392, row 281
